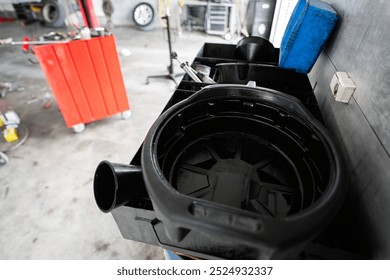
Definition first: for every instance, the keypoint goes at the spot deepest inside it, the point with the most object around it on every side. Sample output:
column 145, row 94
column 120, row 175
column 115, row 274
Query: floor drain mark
column 6, row 193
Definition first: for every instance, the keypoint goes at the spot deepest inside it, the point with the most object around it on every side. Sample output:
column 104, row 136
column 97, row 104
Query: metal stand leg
column 172, row 74
column 167, row 76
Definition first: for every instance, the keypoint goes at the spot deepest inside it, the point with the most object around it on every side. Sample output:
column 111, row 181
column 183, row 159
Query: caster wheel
column 126, row 114
column 78, row 128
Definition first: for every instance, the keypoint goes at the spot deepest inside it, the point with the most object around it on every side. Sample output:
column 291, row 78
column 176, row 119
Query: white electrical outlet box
column 342, row 87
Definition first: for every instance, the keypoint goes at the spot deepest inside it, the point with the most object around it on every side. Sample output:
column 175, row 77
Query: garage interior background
column 44, row 213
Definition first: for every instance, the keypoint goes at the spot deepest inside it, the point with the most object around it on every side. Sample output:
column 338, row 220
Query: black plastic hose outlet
column 112, row 184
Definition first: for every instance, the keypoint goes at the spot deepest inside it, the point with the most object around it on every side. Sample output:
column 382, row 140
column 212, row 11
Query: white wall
column 122, row 15
column 360, row 46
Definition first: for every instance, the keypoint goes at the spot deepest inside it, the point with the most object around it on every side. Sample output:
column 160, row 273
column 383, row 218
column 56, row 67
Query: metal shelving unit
column 219, row 18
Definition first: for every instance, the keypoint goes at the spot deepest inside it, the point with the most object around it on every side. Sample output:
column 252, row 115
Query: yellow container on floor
column 10, row 134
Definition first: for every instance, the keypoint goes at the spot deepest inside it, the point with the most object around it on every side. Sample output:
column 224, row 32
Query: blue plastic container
column 309, row 27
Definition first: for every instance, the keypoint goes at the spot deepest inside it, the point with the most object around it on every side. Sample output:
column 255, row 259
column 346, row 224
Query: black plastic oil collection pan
column 231, row 172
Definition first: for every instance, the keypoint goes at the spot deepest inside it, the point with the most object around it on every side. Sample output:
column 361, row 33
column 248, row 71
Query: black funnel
column 112, row 184
column 255, row 49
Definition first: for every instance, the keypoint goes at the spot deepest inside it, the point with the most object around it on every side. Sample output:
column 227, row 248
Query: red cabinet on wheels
column 86, row 79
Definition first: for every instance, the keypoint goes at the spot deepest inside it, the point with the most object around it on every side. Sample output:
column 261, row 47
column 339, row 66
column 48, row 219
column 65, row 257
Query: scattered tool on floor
column 8, row 87
column 14, row 132
column 9, row 122
column 3, row 159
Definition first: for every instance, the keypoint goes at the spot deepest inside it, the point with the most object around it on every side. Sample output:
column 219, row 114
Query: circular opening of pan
column 143, row 14
column 239, row 170
column 258, row 157
column 239, row 162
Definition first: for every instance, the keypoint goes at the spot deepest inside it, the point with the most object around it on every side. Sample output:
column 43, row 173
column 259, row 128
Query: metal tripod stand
column 171, row 74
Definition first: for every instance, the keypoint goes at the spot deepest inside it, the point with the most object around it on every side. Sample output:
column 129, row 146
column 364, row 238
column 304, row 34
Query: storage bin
column 309, row 27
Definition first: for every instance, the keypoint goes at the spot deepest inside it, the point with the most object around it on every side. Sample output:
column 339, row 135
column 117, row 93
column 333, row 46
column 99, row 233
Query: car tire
column 144, row 16
column 53, row 13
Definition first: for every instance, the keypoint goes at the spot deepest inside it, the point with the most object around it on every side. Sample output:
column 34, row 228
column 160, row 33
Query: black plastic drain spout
column 115, row 185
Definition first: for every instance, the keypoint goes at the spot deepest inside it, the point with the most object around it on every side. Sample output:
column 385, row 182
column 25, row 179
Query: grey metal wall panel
column 367, row 162
column 361, row 46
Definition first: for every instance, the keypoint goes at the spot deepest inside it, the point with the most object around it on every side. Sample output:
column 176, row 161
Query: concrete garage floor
column 47, row 208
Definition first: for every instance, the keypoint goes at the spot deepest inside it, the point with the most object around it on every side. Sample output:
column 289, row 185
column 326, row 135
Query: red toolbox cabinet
column 86, row 79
